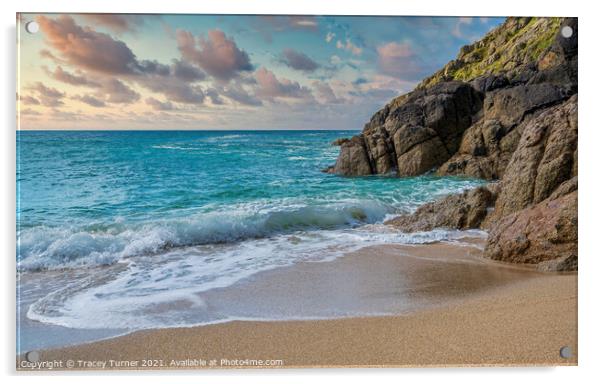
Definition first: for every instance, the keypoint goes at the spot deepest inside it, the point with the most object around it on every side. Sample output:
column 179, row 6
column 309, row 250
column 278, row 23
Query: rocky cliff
column 504, row 110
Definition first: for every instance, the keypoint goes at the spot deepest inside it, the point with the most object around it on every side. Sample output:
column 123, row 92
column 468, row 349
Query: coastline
column 470, row 311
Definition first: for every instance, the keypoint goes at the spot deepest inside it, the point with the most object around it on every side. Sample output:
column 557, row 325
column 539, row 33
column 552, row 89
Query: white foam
column 163, row 290
column 51, row 248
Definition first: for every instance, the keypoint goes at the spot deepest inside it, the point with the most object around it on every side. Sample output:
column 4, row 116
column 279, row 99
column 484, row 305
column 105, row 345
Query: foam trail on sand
column 162, row 290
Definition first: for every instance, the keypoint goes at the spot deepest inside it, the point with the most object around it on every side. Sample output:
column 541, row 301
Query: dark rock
column 413, row 134
column 353, row 159
column 508, row 106
column 339, row 142
column 489, row 83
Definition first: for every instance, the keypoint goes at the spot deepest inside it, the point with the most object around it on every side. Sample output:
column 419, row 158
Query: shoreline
column 461, row 318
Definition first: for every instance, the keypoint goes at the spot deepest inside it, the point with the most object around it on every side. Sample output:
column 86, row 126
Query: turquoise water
column 93, row 197
column 143, row 218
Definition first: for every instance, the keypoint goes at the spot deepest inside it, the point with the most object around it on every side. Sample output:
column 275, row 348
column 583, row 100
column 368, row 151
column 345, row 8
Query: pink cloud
column 270, row 87
column 236, row 92
column 117, row 92
column 85, row 48
column 74, row 79
column 399, row 60
column 29, row 100
column 159, row 105
column 298, row 60
column 218, row 55
column 90, row 100
column 325, row 93
column 117, row 22
column 49, row 97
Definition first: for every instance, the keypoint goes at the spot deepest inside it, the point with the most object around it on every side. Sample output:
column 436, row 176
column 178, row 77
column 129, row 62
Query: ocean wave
column 164, row 290
column 42, row 247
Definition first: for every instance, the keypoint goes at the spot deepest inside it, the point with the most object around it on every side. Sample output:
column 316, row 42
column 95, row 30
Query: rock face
column 543, row 159
column 487, row 146
column 468, row 118
column 543, row 234
column 413, row 136
column 505, row 109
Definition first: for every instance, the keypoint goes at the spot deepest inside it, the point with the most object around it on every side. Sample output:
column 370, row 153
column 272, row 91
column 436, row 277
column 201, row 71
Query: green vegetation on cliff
column 515, row 43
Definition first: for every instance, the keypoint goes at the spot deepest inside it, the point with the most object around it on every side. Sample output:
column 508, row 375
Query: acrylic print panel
column 219, row 191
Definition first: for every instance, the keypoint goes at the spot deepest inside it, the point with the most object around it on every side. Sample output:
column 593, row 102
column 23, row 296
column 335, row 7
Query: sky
column 226, row 72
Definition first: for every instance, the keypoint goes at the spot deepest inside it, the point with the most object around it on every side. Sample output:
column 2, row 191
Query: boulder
column 459, row 211
column 544, row 234
column 339, row 142
column 353, row 159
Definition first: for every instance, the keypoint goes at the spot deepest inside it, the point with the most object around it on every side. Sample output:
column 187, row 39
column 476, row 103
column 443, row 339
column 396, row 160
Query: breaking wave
column 44, row 247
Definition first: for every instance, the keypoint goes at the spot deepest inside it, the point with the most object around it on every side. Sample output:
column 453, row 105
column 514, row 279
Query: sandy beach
column 469, row 312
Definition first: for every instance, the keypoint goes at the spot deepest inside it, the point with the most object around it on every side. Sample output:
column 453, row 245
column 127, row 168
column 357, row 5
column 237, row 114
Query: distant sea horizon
column 191, row 130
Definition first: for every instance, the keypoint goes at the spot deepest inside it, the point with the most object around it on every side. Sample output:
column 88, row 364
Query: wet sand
column 450, row 307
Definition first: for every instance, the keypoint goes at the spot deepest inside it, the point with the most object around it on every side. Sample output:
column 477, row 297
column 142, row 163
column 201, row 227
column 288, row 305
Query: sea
column 125, row 230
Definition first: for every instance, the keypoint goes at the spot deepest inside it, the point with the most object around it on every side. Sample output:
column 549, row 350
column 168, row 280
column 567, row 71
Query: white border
column 590, row 140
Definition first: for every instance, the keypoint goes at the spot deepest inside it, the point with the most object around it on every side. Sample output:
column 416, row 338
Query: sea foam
column 44, row 247
column 165, row 290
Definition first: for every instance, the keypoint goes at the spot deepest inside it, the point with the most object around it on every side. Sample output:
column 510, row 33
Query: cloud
column 187, row 72
column 298, row 60
column 360, row 81
column 349, row 46
column 236, row 92
column 49, row 97
column 399, row 60
column 29, row 100
column 335, row 60
column 303, row 22
column 111, row 90
column 117, row 92
column 86, row 48
column 46, row 54
column 457, row 30
column 174, row 90
column 119, row 23
column 330, row 36
column 267, row 25
column 325, row 93
column 270, row 87
column 158, row 105
column 90, row 100
column 114, row 64
column 30, row 112
column 214, row 96
column 282, row 23
column 218, row 55
column 61, row 75
column 175, row 82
